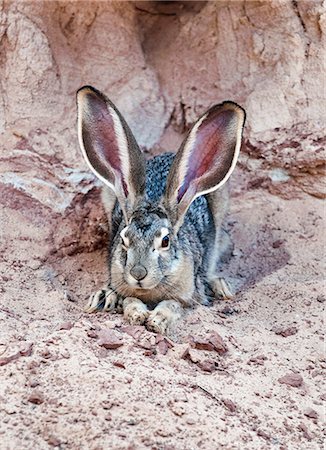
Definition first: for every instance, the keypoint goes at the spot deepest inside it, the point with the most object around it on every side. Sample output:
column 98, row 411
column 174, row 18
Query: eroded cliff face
column 163, row 64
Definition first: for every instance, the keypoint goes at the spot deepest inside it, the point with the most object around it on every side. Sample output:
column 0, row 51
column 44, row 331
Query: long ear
column 109, row 147
column 206, row 158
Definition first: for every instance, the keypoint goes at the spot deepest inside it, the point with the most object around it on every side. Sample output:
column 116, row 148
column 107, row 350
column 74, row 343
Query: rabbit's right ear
column 109, row 147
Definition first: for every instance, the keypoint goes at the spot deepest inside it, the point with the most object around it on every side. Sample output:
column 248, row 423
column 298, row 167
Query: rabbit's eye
column 165, row 242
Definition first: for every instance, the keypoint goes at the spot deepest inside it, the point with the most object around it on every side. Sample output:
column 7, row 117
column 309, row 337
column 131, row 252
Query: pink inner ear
column 101, row 142
column 209, row 150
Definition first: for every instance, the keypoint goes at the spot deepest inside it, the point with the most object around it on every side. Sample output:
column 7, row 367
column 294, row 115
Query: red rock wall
column 163, row 63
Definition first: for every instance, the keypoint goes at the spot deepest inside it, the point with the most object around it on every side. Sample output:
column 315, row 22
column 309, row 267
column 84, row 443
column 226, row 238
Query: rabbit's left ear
column 206, row 158
column 109, row 147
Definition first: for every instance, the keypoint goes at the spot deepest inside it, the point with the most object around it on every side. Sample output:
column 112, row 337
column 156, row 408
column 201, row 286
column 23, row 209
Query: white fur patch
column 122, row 144
column 125, row 238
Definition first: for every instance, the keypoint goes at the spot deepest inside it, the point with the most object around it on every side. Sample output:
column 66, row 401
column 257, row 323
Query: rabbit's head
column 147, row 249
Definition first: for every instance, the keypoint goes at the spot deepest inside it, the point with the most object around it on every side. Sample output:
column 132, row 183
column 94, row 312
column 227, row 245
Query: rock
column 207, row 365
column 163, row 344
column 92, row 334
column 119, row 364
column 66, row 326
column 292, row 379
column 201, row 344
column 27, row 349
column 311, row 413
column 7, row 359
column 36, row 397
column 229, row 405
column 304, row 429
column 108, row 339
column 263, row 434
column 257, row 360
column 278, row 243
column 134, row 330
column 53, row 441
column 219, row 345
column 285, row 331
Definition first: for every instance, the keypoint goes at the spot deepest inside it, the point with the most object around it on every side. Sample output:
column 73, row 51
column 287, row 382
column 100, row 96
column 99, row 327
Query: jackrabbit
column 165, row 215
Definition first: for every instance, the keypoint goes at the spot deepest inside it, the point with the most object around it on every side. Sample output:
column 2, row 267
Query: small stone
column 177, row 409
column 200, row 344
column 218, row 343
column 304, row 429
column 36, row 397
column 68, row 296
column 109, row 340
column 264, row 435
column 257, row 360
column 163, row 344
column 119, row 364
column 27, row 349
column 311, row 413
column 7, row 359
column 207, row 365
column 285, row 331
column 229, row 405
column 134, row 330
column 33, row 383
column 66, row 326
column 92, row 334
column 278, row 243
column 321, row 298
column 191, row 420
column 53, row 441
column 292, row 379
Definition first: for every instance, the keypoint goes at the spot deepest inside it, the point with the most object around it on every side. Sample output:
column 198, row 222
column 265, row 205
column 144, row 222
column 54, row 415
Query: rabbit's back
column 157, row 169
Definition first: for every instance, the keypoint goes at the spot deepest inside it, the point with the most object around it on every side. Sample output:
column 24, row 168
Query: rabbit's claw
column 102, row 300
column 221, row 288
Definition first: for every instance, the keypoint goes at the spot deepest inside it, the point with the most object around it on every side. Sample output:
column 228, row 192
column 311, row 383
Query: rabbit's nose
column 138, row 272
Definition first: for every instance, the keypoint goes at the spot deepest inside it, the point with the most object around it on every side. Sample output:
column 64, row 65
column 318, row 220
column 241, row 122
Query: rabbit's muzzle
column 138, row 272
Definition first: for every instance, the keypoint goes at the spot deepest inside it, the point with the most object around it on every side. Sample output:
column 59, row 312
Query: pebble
column 66, row 326
column 292, row 379
column 229, row 405
column 311, row 413
column 285, row 331
column 108, row 339
column 36, row 398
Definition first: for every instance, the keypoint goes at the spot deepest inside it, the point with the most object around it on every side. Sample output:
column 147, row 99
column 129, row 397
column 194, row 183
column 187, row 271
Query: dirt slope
column 73, row 393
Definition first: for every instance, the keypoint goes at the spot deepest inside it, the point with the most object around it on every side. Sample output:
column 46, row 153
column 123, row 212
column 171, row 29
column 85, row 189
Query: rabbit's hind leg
column 103, row 300
column 222, row 252
column 222, row 246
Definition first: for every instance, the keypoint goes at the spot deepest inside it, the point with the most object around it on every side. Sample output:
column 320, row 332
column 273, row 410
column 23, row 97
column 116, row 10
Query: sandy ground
column 61, row 388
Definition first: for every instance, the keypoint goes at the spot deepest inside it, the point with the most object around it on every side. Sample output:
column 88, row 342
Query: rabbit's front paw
column 163, row 316
column 104, row 300
column 135, row 311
